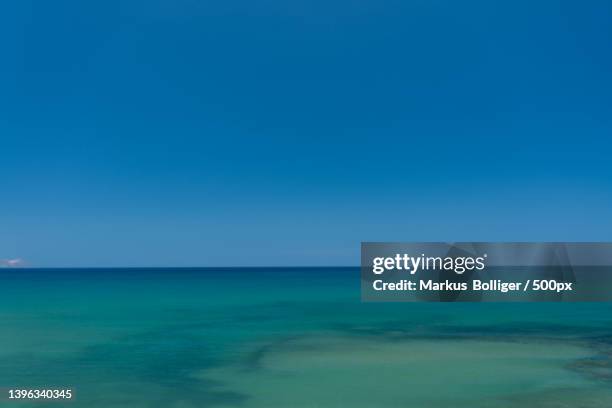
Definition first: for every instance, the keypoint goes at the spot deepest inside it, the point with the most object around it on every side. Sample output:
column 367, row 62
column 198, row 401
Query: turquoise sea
column 289, row 338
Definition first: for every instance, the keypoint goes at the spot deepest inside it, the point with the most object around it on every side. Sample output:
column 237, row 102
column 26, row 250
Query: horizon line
column 180, row 267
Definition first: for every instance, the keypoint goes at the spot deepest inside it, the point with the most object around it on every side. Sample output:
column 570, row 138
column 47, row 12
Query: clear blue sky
column 175, row 132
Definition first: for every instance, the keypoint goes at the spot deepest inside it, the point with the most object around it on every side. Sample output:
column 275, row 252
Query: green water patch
column 344, row 371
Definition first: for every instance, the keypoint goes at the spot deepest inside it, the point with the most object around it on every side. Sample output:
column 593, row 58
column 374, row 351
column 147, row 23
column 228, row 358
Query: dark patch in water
column 166, row 358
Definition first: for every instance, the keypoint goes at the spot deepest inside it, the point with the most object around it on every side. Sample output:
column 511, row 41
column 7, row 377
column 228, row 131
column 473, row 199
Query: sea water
column 289, row 338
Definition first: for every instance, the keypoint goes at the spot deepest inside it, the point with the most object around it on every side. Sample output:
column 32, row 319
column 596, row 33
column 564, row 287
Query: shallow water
column 289, row 338
column 327, row 371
